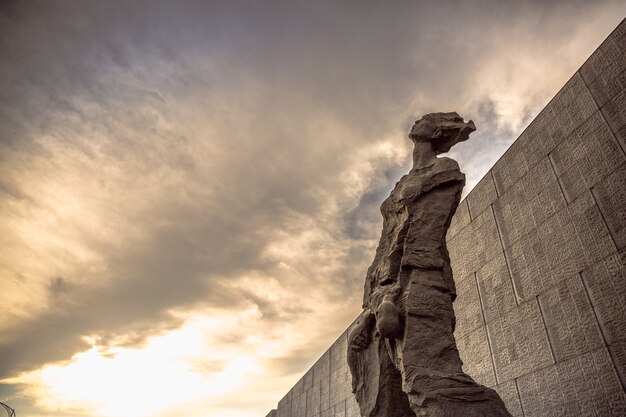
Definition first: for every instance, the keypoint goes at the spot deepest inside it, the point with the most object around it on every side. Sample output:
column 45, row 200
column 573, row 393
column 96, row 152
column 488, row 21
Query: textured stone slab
column 610, row 195
column 519, row 342
column 531, row 201
column 482, row 195
column 569, row 318
column 474, row 245
column 340, row 384
column 284, row 406
column 496, row 288
column 295, row 403
column 459, row 221
column 606, row 284
column 615, row 116
column 573, row 104
column 329, row 412
column 567, row 243
column 476, row 356
column 508, row 393
column 325, row 393
column 583, row 386
column 308, row 379
column 617, row 351
column 533, row 145
column 588, row 155
column 338, row 353
column 604, row 70
column 321, row 369
column 340, row 409
column 352, row 407
column 467, row 308
column 313, row 403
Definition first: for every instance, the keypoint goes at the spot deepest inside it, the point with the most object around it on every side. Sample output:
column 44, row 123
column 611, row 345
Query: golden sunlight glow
column 135, row 382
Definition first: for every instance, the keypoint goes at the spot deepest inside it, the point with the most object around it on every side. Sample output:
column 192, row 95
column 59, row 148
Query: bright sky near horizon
column 190, row 190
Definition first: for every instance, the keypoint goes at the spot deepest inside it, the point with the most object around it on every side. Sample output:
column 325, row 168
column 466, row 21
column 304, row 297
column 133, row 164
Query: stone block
column 467, row 306
column 583, row 386
column 570, row 320
column 460, row 219
column 340, row 384
column 587, row 156
column 329, row 412
column 567, row 243
column 338, row 353
column 606, row 284
column 476, row 356
column 321, row 367
column 483, row 194
column 519, row 342
column 340, row 409
column 614, row 112
column 610, row 196
column 325, row 393
column 308, row 380
column 284, row 406
column 532, row 145
column 352, row 407
column 474, row 245
column 604, row 70
column 508, row 393
column 617, row 351
column 496, row 288
column 295, row 406
column 528, row 203
column 313, row 400
column 573, row 104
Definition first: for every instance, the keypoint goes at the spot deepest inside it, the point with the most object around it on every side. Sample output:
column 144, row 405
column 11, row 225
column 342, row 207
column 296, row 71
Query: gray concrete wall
column 538, row 250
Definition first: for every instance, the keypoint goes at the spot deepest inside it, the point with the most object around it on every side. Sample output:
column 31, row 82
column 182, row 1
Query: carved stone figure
column 402, row 353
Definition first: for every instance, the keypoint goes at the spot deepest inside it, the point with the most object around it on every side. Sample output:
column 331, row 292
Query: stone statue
column 402, row 353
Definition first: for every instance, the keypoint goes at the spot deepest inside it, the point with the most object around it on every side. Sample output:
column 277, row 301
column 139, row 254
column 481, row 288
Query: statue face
column 424, row 130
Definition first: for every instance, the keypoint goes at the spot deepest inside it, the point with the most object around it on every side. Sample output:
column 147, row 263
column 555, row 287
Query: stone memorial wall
column 538, row 250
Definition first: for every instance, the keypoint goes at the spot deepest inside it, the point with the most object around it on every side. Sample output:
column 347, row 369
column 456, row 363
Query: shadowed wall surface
column 538, row 250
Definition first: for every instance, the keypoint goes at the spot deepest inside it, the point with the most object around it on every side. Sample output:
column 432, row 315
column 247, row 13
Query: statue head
column 442, row 130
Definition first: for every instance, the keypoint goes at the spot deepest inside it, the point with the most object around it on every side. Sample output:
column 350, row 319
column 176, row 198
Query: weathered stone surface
column 467, row 307
column 616, row 118
column 531, row 201
column 496, row 288
column 606, row 283
column 568, row 242
column 572, row 105
column 416, row 369
column 508, row 393
column 588, row 156
column 475, row 245
column 569, row 319
column 459, row 221
column 604, row 70
column 483, row 194
column 610, row 195
column 476, row 356
column 518, row 350
column 583, row 386
column 617, row 351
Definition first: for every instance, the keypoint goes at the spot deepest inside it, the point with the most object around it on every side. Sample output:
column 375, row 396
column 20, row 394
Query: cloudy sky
column 189, row 191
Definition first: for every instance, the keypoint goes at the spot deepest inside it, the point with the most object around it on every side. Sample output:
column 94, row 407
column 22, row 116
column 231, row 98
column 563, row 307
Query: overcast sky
column 190, row 191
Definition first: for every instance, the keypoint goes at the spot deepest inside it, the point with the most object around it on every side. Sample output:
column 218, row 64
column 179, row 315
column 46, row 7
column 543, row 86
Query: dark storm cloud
column 202, row 132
